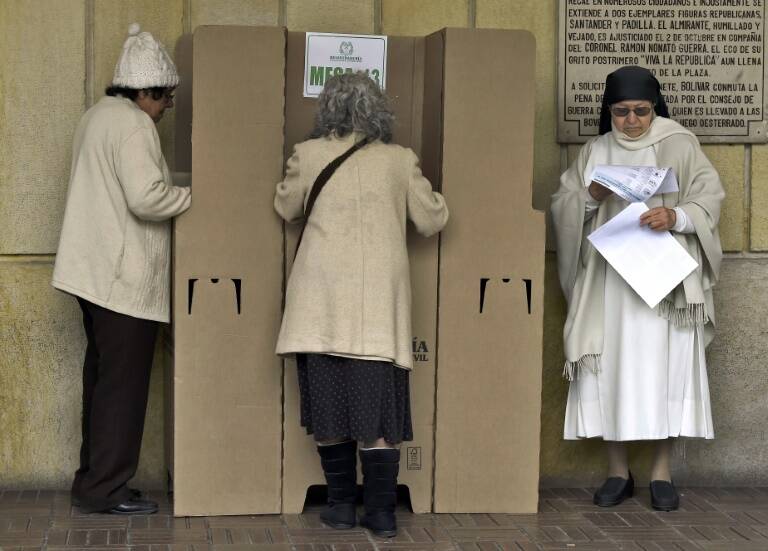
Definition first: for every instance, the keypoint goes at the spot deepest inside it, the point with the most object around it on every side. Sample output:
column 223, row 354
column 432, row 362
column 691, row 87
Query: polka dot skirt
column 349, row 398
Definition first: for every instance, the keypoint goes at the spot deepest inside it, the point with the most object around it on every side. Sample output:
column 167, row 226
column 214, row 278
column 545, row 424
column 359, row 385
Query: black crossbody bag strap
column 320, row 182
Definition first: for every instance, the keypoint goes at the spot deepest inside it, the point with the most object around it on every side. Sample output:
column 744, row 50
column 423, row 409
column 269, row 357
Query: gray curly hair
column 353, row 102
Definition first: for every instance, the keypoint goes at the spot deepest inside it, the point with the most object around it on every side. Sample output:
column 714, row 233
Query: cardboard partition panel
column 491, row 276
column 182, row 162
column 227, row 387
column 416, row 456
column 301, row 465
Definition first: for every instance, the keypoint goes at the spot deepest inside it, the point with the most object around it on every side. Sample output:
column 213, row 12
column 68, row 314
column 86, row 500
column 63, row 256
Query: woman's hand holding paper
column 659, row 219
column 598, row 192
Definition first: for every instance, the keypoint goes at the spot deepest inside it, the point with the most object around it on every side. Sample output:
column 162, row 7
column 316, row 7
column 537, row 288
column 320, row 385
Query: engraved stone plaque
column 707, row 54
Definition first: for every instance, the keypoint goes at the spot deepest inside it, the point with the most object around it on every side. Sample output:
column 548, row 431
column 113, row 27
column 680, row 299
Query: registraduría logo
column 346, row 51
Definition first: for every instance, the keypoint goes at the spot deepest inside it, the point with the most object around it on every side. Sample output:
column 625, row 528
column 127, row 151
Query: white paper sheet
column 651, row 262
column 635, row 183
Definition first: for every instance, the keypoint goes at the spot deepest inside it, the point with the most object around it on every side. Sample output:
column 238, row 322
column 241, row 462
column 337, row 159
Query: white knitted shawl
column 582, row 269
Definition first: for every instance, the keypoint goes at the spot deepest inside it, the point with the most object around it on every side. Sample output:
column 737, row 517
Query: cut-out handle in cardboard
column 528, row 286
column 237, row 282
column 484, row 283
column 190, row 293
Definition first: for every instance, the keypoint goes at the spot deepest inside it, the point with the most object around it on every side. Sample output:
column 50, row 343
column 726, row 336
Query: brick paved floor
column 709, row 518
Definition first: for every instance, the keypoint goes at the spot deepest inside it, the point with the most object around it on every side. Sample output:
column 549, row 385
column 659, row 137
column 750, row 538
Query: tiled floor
column 709, row 518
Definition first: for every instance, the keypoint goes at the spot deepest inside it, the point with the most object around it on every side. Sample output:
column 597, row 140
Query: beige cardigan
column 349, row 291
column 115, row 243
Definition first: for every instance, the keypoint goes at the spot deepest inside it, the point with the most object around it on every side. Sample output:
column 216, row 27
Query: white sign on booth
column 334, row 54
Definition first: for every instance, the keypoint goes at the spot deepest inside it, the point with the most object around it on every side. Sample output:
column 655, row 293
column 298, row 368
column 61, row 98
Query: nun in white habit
column 637, row 373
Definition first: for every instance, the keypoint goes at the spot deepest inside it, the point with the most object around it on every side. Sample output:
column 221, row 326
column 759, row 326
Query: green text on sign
column 318, row 75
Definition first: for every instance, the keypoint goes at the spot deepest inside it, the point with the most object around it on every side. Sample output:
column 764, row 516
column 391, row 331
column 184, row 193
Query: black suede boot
column 339, row 463
column 380, row 468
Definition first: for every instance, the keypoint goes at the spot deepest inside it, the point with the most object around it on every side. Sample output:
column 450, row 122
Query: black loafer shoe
column 134, row 507
column 135, row 494
column 664, row 496
column 614, row 490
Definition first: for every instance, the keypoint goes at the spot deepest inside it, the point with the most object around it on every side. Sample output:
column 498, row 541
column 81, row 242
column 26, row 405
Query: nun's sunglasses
column 642, row 111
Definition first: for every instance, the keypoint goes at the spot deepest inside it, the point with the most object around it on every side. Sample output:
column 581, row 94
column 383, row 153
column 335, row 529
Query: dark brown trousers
column 118, row 361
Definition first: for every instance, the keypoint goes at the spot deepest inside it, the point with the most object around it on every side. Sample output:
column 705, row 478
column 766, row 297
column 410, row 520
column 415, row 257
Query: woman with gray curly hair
column 347, row 314
column 353, row 102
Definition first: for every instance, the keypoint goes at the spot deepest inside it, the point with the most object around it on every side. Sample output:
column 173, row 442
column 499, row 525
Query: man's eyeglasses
column 619, row 111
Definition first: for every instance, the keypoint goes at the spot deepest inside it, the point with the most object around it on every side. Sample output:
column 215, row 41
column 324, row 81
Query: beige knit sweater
column 349, row 291
column 115, row 244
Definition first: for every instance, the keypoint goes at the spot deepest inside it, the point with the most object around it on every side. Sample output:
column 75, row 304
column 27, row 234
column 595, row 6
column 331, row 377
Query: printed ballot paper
column 635, row 183
column 651, row 262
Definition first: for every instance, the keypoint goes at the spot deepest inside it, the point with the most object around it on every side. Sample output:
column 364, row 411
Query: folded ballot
column 651, row 262
column 635, row 183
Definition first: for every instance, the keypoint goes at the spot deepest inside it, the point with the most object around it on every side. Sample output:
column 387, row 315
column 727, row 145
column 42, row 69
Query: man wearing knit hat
column 114, row 257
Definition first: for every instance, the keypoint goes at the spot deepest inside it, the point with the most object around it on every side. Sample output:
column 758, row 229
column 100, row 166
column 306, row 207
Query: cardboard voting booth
column 301, row 467
column 464, row 102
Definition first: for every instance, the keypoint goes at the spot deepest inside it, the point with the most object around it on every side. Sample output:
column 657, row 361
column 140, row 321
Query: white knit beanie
column 144, row 63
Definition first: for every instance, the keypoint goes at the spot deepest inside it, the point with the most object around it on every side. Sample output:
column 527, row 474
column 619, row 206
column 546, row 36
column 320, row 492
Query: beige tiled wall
column 729, row 162
column 408, row 18
column 42, row 68
column 234, row 12
column 342, row 16
column 758, row 207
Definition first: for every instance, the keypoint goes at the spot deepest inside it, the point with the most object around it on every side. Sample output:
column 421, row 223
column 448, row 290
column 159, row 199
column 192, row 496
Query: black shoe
column 134, row 507
column 664, row 497
column 135, row 494
column 380, row 469
column 339, row 463
column 614, row 490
